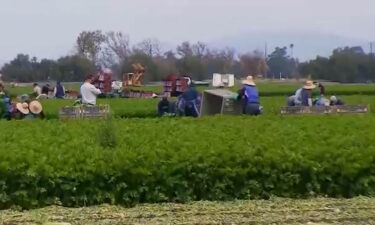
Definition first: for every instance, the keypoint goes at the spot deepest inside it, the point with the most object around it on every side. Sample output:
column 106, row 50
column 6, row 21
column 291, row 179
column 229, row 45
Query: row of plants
column 265, row 89
column 147, row 108
column 131, row 161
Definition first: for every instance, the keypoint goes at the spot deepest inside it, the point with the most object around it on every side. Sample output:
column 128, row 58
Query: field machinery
column 133, row 81
column 340, row 109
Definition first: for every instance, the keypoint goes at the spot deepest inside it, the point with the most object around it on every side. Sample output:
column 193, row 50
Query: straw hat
column 35, row 107
column 309, row 84
column 23, row 108
column 249, row 81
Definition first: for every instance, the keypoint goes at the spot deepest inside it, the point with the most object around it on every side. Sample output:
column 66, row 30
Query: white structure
column 222, row 80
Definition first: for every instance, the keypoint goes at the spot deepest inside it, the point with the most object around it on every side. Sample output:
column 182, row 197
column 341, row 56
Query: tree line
column 95, row 50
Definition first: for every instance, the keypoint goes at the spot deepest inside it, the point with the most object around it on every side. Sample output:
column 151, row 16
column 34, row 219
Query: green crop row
column 147, row 108
column 130, row 161
column 265, row 89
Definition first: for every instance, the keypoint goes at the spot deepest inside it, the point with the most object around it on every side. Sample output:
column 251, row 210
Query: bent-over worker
column 189, row 101
column 89, row 92
column 306, row 94
column 250, row 97
column 163, row 106
column 335, row 101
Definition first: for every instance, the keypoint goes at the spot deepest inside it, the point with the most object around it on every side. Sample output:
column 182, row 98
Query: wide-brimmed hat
column 23, row 108
column 309, row 84
column 35, row 107
column 249, row 81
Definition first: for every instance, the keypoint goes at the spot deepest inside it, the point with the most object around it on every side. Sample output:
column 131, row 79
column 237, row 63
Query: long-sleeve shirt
column 89, row 93
column 249, row 94
column 37, row 90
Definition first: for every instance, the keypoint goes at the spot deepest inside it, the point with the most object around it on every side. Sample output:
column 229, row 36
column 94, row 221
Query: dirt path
column 278, row 211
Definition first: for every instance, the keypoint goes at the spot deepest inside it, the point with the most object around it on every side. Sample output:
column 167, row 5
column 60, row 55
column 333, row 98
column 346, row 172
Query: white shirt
column 37, row 90
column 89, row 93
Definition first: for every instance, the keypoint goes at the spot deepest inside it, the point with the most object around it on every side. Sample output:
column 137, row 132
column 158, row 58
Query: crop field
column 136, row 158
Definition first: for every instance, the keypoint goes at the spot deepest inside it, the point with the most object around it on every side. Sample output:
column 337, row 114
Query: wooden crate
column 101, row 111
column 72, row 112
column 80, row 112
column 219, row 101
column 342, row 109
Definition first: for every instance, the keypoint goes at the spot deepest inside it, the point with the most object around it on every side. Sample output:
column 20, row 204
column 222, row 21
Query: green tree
column 280, row 64
column 89, row 44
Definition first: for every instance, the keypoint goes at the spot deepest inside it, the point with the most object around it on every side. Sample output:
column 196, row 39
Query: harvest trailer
column 341, row 109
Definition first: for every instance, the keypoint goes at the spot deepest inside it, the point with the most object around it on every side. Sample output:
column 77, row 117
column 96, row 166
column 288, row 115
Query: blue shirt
column 250, row 93
column 306, row 95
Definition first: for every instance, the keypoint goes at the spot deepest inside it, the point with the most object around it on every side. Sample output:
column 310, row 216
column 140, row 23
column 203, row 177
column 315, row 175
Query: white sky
column 48, row 28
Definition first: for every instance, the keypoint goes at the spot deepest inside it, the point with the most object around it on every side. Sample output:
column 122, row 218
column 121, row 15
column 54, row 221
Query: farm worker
column 335, row 101
column 45, row 89
column 2, row 89
column 322, row 89
column 36, row 109
column 189, row 101
column 296, row 99
column 250, row 97
column 5, row 106
column 163, row 106
column 22, row 110
column 89, row 92
column 306, row 94
column 321, row 101
column 59, row 90
column 36, row 90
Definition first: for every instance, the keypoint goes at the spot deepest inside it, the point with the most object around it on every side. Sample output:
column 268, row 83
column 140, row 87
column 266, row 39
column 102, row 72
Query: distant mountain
column 306, row 45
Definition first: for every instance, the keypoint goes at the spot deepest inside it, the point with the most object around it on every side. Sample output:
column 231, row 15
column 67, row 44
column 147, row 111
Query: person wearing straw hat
column 36, row 109
column 250, row 97
column 22, row 110
column 306, row 93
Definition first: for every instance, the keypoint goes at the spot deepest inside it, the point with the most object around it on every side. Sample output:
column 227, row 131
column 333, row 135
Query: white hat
column 35, row 107
column 23, row 108
column 333, row 99
column 249, row 81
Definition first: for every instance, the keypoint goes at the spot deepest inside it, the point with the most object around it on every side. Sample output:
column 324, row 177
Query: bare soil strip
column 276, row 211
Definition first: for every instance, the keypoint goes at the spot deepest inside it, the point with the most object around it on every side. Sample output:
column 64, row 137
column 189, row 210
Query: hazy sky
column 48, row 28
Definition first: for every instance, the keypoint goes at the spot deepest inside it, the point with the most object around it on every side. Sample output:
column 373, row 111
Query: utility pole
column 291, row 50
column 265, row 58
column 371, row 44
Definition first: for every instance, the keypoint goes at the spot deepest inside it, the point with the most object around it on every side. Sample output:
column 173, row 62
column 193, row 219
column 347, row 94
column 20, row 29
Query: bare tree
column 118, row 44
column 254, row 63
column 150, row 47
column 185, row 49
column 199, row 49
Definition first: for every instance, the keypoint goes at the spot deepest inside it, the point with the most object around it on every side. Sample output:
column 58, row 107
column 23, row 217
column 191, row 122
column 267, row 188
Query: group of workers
column 24, row 108
column 46, row 91
column 303, row 96
column 188, row 103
